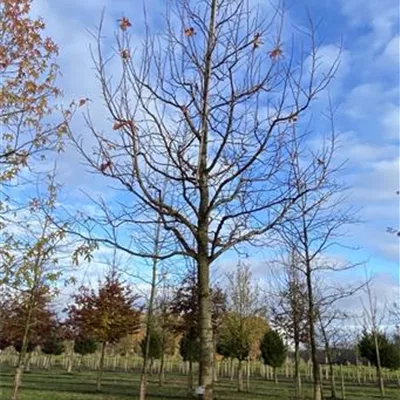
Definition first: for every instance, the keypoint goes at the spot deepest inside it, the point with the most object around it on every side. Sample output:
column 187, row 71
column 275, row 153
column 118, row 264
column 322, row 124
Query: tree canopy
column 389, row 350
column 273, row 349
column 106, row 314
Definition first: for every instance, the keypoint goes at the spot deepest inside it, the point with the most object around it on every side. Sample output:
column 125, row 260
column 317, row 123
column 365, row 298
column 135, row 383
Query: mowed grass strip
column 58, row 385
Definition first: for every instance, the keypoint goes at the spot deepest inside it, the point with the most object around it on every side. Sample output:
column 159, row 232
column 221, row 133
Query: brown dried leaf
column 189, row 32
column 124, row 23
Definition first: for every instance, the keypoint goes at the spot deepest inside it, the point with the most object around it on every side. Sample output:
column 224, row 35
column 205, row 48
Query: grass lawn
column 58, row 385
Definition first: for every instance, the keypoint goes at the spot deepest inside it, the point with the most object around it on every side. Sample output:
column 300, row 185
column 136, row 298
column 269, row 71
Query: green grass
column 56, row 384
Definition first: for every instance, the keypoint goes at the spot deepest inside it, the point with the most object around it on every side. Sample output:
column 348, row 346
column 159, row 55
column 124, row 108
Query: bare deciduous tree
column 318, row 222
column 372, row 321
column 207, row 107
column 288, row 307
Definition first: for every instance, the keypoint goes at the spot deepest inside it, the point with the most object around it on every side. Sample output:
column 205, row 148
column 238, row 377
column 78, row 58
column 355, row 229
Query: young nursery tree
column 155, row 346
column 53, row 344
column 31, row 258
column 289, row 307
column 106, row 314
column 84, row 346
column 190, row 351
column 237, row 329
column 273, row 351
column 389, row 351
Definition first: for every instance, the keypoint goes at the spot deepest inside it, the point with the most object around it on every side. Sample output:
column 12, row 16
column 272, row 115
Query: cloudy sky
column 366, row 88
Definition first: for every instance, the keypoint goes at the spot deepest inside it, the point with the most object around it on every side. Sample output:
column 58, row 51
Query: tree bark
column 101, row 366
column 206, row 334
column 203, row 261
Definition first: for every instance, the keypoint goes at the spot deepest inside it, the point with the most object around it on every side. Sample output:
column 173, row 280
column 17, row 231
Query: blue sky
column 366, row 88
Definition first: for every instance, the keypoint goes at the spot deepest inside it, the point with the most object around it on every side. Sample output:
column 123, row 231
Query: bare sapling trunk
column 317, row 387
column 328, row 353
column 215, row 365
column 28, row 362
column 81, row 362
column 101, row 366
column 70, row 359
column 381, row 382
column 275, row 376
column 240, row 377
column 190, row 379
column 248, row 376
column 23, row 355
column 297, row 376
column 342, row 383
column 371, row 314
column 331, row 371
column 161, row 374
column 149, row 317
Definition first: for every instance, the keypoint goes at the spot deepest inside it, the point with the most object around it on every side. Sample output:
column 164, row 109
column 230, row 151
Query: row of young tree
column 210, row 144
column 112, row 316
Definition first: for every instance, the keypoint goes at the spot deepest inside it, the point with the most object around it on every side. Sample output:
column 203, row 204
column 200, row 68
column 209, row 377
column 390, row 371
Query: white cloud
column 391, row 121
column 375, row 104
column 381, row 17
column 360, row 152
column 392, row 51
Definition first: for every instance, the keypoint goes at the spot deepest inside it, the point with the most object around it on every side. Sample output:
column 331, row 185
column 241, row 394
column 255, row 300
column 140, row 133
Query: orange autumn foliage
column 27, row 86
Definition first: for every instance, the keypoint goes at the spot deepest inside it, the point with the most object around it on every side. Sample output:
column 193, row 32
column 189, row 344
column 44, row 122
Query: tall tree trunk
column 240, row 377
column 101, row 366
column 206, row 334
column 205, row 391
